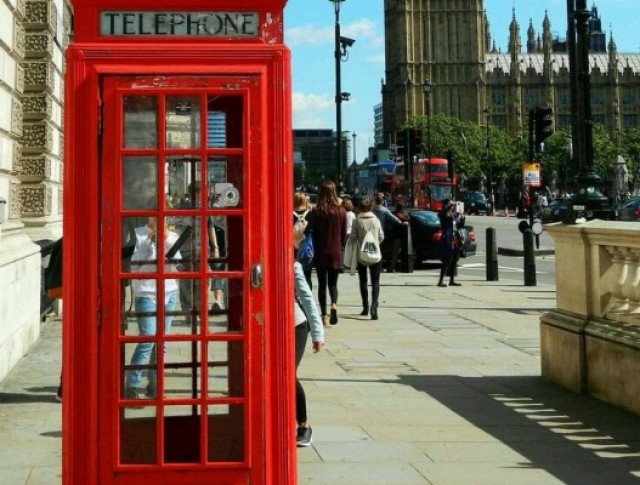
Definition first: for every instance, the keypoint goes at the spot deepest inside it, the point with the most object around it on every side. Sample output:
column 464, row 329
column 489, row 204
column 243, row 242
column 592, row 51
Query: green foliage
column 506, row 155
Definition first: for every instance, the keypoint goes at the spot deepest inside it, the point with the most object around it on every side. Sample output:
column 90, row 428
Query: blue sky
column 309, row 32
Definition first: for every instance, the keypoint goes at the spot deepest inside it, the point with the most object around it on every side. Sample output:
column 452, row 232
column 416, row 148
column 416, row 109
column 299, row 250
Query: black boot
column 374, row 311
column 365, row 309
column 443, row 270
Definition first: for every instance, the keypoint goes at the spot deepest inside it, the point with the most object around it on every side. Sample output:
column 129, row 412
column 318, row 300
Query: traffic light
column 451, row 165
column 402, row 143
column 544, row 126
column 415, row 142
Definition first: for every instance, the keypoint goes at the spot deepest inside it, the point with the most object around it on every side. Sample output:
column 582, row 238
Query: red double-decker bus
column 431, row 184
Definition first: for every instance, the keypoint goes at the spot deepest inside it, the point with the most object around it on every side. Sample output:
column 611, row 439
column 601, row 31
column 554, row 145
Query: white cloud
column 309, row 34
column 363, row 31
column 312, row 110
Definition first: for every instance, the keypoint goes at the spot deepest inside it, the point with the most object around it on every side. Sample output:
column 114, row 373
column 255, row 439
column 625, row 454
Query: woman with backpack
column 301, row 210
column 367, row 226
column 328, row 223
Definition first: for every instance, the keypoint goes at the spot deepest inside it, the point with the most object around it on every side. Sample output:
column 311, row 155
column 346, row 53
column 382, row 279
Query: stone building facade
column 33, row 37
column 448, row 43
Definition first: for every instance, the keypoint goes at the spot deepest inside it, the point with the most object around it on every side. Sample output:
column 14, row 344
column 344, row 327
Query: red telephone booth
column 178, row 272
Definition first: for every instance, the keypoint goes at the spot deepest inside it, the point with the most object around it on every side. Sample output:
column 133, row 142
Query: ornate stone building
column 33, row 37
column 448, row 43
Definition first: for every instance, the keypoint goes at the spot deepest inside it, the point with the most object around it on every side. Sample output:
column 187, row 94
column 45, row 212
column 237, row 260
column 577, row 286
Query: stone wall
column 591, row 342
column 33, row 36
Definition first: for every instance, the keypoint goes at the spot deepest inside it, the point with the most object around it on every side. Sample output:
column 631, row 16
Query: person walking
column 389, row 224
column 450, row 221
column 301, row 209
column 307, row 320
column 328, row 223
column 364, row 223
column 145, row 259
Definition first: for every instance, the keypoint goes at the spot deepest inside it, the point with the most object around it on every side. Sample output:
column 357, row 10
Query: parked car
column 598, row 206
column 630, row 210
column 476, row 203
column 554, row 212
column 426, row 234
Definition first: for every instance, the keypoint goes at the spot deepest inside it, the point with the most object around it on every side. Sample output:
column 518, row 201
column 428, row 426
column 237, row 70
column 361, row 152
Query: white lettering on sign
column 179, row 24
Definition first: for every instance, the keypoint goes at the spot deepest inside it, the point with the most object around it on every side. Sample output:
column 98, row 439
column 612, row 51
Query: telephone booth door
column 181, row 341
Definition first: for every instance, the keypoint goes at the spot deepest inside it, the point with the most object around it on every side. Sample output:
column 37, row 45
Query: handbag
column 306, row 251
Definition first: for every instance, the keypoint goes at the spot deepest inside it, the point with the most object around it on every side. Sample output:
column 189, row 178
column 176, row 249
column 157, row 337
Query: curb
column 520, row 252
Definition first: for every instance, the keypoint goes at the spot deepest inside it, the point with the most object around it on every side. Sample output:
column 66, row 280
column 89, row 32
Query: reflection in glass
column 183, row 122
column 182, row 187
column 226, row 369
column 182, row 371
column 225, row 175
column 226, row 313
column 140, row 121
column 140, row 183
column 138, row 436
column 225, row 121
column 226, row 433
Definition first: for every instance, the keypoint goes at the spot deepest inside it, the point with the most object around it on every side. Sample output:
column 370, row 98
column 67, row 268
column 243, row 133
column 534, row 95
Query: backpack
column 299, row 227
column 369, row 253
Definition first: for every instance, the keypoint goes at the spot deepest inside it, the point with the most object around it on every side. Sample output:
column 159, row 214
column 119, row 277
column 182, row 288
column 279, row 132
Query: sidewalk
column 444, row 389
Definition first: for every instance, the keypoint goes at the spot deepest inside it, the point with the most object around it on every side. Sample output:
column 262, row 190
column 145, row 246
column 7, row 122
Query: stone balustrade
column 591, row 342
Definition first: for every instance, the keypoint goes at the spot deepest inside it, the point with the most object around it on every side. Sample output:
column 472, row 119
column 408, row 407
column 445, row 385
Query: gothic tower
column 441, row 41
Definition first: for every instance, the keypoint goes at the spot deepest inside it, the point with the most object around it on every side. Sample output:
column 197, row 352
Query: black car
column 476, row 203
column 554, row 211
column 426, row 235
column 630, row 210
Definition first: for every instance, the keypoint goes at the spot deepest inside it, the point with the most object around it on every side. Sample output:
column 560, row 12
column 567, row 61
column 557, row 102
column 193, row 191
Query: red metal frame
column 88, row 297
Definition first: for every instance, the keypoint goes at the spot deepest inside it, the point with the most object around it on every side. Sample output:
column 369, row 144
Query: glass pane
column 183, row 122
column 226, row 309
column 225, row 176
column 225, row 438
column 141, row 245
column 190, row 305
column 225, row 121
column 182, row 371
column 189, row 243
column 226, row 369
column 139, row 375
column 140, row 183
column 181, row 434
column 182, row 175
column 138, row 436
column 226, row 233
column 140, row 122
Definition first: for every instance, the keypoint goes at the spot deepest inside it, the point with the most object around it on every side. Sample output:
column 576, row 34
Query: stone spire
column 515, row 44
column 487, row 31
column 613, row 56
column 531, row 38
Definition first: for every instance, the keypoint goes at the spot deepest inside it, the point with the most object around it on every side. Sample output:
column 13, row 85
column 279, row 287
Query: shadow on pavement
column 17, row 397
column 575, row 438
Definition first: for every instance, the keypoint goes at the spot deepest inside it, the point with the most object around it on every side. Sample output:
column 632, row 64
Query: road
column 507, row 236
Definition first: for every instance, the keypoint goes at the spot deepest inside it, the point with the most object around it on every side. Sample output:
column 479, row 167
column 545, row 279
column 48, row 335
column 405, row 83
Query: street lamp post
column 487, row 115
column 340, row 53
column 427, row 86
column 354, row 147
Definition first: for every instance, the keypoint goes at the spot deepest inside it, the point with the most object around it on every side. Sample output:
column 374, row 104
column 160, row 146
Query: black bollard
column 529, row 258
column 406, row 251
column 492, row 255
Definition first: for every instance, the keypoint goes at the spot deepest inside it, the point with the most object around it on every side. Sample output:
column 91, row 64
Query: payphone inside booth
column 177, row 350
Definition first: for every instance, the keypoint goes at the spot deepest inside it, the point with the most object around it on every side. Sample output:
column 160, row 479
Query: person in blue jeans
column 144, row 260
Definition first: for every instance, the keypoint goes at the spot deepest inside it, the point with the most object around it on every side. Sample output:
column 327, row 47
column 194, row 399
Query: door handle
column 257, row 276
